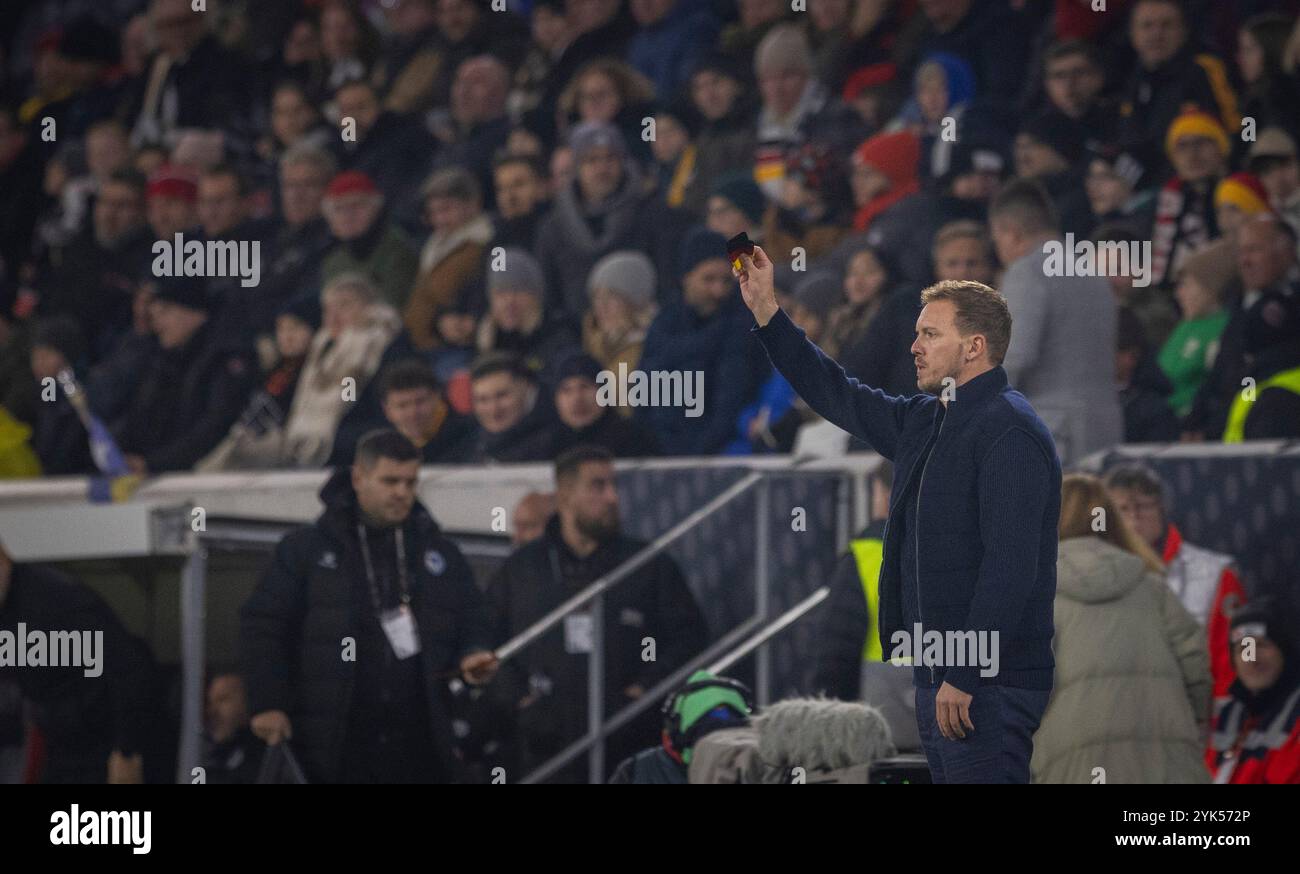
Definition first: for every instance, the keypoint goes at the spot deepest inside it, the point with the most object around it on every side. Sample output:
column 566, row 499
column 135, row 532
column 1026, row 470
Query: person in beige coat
column 1132, row 685
column 345, row 353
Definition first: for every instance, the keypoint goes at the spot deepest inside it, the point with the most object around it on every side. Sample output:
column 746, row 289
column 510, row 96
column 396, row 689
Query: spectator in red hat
column 171, row 200
column 884, row 172
column 873, row 93
column 367, row 241
column 393, row 150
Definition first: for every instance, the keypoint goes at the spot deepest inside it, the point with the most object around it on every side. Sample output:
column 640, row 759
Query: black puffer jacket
column 311, row 597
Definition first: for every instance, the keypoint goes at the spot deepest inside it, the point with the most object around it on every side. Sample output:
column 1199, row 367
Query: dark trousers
column 390, row 745
column 1000, row 747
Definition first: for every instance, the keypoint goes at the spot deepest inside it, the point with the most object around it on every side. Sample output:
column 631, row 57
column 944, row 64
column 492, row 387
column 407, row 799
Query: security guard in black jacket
column 652, row 621
column 352, row 634
column 191, row 388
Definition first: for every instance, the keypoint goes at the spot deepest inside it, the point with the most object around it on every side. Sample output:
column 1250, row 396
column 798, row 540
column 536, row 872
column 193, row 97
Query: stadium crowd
column 464, row 215
column 456, row 221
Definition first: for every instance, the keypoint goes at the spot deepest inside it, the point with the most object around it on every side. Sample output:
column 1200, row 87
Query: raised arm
column 867, row 413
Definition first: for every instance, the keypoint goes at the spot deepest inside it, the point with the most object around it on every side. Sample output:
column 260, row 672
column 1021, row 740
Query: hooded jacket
column 312, row 597
column 1132, row 688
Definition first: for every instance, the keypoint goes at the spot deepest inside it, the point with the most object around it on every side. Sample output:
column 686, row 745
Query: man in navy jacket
column 968, row 573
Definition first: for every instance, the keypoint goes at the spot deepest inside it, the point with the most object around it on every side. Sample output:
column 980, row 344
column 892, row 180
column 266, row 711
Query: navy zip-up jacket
column 985, row 500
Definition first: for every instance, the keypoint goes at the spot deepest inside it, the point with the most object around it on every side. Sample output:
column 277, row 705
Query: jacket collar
column 974, row 394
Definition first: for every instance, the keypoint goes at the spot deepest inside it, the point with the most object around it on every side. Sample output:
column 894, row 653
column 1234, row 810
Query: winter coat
column 531, row 439
column 573, row 237
column 382, row 253
column 720, row 348
column 666, row 52
column 1267, row 727
column 312, row 597
column 60, row 440
column 1152, row 99
column 1132, row 687
column 626, row 438
column 1208, row 586
column 185, row 401
column 549, row 343
column 448, row 263
column 320, row 400
column 1058, row 322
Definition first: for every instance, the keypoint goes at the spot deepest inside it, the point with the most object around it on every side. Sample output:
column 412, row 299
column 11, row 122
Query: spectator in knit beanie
column 1237, row 198
column 814, row 298
column 1051, row 151
column 1185, row 217
column 517, row 320
column 585, row 421
column 736, row 205
column 622, row 290
column 703, row 335
column 1118, row 190
column 884, row 172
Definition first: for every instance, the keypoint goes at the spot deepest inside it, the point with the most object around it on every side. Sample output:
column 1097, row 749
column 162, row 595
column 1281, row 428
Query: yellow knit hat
column 1243, row 191
column 1195, row 123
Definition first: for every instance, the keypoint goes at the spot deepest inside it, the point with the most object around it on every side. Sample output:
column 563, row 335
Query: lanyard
column 370, row 568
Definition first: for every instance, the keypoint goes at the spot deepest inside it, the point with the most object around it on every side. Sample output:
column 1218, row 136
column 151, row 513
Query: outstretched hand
column 758, row 285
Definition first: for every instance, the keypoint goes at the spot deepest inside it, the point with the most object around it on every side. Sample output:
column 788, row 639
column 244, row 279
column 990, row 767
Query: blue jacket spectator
column 674, row 35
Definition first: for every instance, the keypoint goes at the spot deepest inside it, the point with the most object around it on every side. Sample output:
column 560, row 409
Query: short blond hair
column 980, row 310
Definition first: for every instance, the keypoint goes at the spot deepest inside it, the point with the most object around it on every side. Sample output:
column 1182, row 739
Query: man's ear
column 978, row 346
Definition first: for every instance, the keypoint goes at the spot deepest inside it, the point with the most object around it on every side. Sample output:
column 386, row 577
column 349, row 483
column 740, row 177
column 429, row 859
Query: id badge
column 399, row 628
column 577, row 633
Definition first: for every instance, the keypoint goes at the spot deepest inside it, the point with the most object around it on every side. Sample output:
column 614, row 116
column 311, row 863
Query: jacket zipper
column 916, row 533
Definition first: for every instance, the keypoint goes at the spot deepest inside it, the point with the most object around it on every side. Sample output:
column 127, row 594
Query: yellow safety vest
column 1236, row 430
column 868, row 552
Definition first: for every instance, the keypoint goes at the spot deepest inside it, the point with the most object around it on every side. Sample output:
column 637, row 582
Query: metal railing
column 594, row 595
